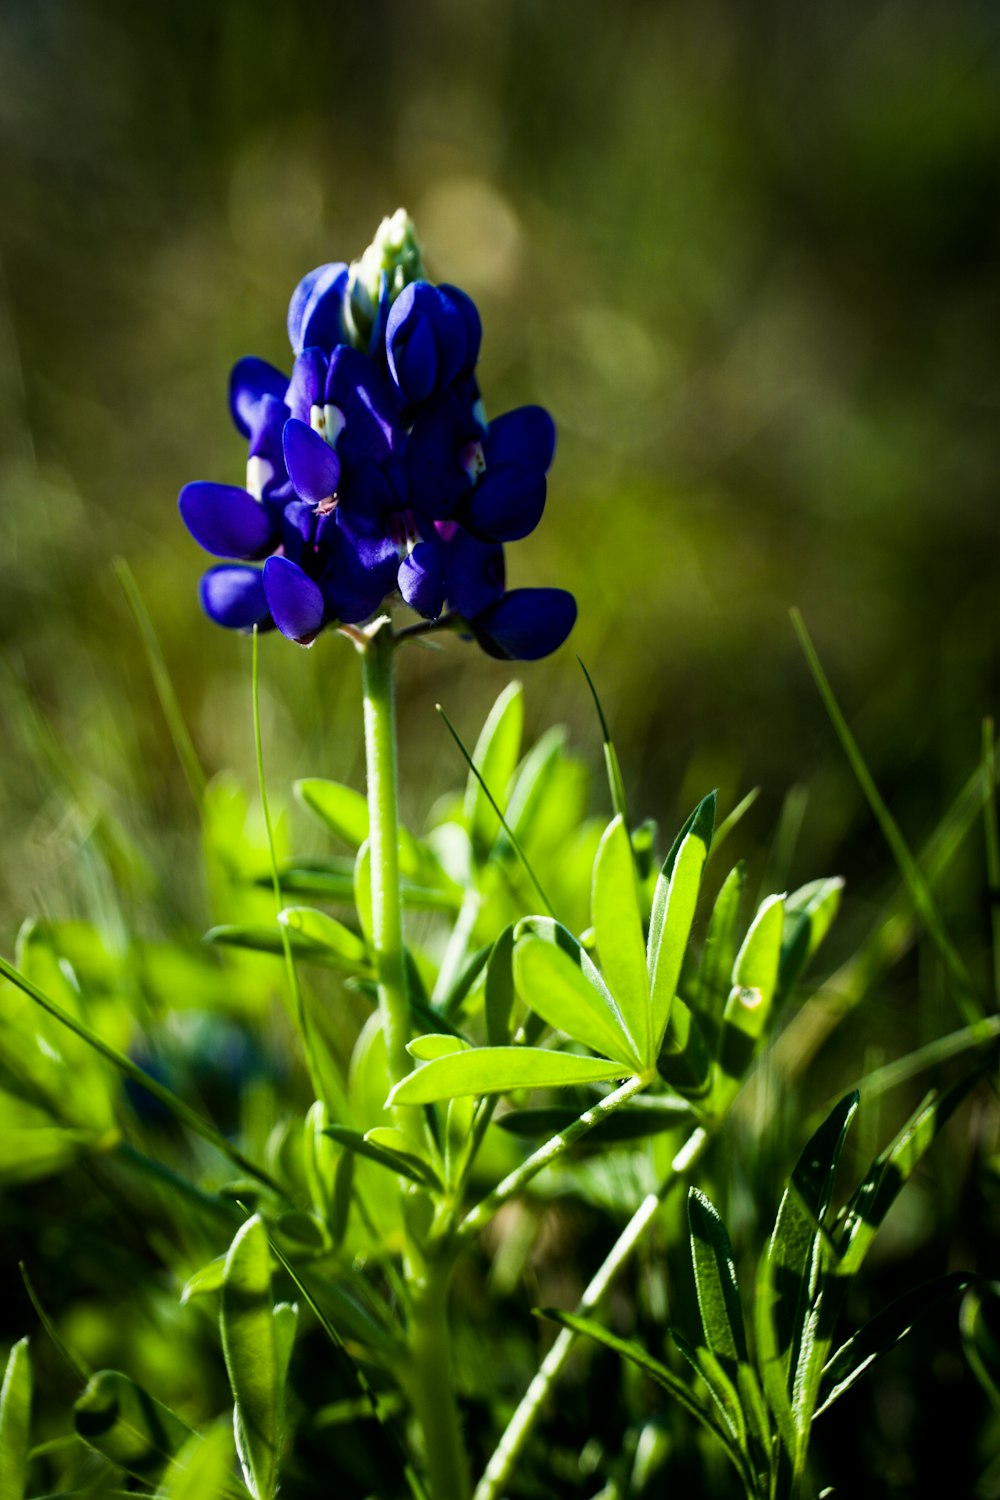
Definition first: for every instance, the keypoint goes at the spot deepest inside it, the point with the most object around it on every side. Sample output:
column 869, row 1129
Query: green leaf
column 882, row 1333
column 755, row 976
column 715, row 1281
column 27, row 1154
column 435, row 1044
column 979, row 1320
column 124, row 1423
column 286, row 1316
column 397, row 1143
column 498, row 1070
column 637, row 1356
column 618, row 928
column 684, row 1060
column 15, row 1422
column 674, row 901
column 405, row 1165
column 259, row 939
column 495, row 758
column 344, row 946
column 809, row 911
column 322, row 879
column 499, row 996
column 208, row 1278
column 531, row 786
column 560, row 983
column 715, row 976
column 890, row 1171
column 345, row 812
column 201, row 1469
column 720, row 1386
column 250, row 1347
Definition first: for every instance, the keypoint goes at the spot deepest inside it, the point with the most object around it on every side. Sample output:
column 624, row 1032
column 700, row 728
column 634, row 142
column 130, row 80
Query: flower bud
column 390, row 263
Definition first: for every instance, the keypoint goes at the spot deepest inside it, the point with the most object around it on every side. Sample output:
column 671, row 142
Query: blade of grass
column 965, row 995
column 179, row 732
column 731, row 819
column 80, row 1370
column 616, row 782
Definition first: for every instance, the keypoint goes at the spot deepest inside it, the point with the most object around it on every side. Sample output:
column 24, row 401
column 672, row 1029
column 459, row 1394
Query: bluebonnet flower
column 372, row 470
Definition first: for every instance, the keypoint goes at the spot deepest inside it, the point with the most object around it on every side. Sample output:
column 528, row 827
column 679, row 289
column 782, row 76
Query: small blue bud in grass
column 372, row 472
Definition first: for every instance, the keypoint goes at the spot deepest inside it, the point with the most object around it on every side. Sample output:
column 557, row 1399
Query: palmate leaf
column 674, row 901
column 618, row 928
column 882, row 1333
column 715, row 1281
column 498, row 1070
column 560, row 983
column 15, row 1420
column 664, row 1377
column 127, row 1426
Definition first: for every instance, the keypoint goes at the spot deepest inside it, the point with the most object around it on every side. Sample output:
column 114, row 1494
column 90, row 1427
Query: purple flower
column 373, row 473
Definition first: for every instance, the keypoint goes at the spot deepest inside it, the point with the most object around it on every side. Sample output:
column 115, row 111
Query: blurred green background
column 747, row 255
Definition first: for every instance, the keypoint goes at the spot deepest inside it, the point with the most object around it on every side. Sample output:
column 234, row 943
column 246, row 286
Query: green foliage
column 15, row 1418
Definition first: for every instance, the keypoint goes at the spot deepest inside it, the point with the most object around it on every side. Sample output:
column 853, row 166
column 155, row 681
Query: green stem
column 431, row 1385
column 429, row 1379
column 509, row 1448
column 553, row 1148
column 383, row 815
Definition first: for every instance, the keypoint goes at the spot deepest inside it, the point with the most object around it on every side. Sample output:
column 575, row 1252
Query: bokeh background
column 747, row 255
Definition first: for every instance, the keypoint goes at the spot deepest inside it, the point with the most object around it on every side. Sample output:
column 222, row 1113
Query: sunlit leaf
column 15, row 1422
column 715, row 976
column 809, row 911
column 618, row 929
column 339, row 941
column 405, row 1164
column 248, row 1340
column 201, row 1470
column 531, row 785
column 674, row 902
column 755, row 977
column 560, row 983
column 345, row 812
column 495, row 758
column 497, row 1070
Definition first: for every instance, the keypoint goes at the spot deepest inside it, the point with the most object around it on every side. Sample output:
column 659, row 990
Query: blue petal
column 361, row 573
column 305, row 389
column 524, row 436
column 226, row 521
column 526, row 624
column 506, row 504
column 295, row 601
column 368, row 405
column 234, row 597
column 469, row 313
column 426, row 341
column 313, row 467
column 422, row 579
column 436, row 479
column 250, row 380
column 315, row 313
column 474, row 573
